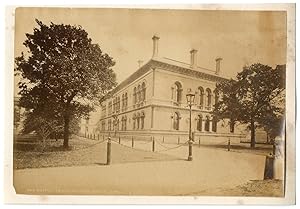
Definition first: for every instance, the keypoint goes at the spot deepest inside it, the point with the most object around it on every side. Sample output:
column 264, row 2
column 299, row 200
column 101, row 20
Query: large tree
column 250, row 98
column 63, row 72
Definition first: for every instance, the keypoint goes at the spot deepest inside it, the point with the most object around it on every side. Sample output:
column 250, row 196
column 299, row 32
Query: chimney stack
column 193, row 58
column 155, row 46
column 218, row 65
column 140, row 62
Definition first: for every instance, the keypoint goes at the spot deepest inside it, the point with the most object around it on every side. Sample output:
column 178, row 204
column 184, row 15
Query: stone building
column 152, row 101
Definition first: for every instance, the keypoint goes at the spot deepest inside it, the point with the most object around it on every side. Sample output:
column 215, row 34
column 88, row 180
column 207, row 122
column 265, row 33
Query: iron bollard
column 269, row 167
column 108, row 156
column 153, row 145
column 163, row 139
column 178, row 140
column 199, row 141
column 132, row 142
column 228, row 148
column 190, row 157
column 119, row 140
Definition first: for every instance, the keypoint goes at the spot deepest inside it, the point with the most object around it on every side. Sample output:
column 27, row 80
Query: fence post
column 153, row 145
column 228, row 148
column 269, row 167
column 119, row 140
column 132, row 142
column 108, row 156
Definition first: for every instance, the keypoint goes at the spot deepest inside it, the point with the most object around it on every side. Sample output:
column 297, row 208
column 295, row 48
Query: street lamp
column 190, row 98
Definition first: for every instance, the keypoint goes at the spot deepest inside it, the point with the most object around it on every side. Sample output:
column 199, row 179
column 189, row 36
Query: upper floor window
column 109, row 108
column 118, row 105
column 216, row 96
column 134, row 95
column 139, row 94
column 208, row 93
column 143, row 91
column 201, row 97
column 126, row 101
column 177, row 92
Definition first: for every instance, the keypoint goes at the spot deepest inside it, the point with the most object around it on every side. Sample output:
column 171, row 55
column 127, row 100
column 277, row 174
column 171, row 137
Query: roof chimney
column 155, row 46
column 218, row 65
column 193, row 53
column 140, row 62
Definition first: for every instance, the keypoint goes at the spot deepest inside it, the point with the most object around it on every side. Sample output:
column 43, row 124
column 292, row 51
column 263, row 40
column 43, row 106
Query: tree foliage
column 253, row 98
column 63, row 72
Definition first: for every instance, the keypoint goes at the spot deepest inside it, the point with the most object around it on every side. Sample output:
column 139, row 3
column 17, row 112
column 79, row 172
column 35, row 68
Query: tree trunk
column 252, row 134
column 66, row 131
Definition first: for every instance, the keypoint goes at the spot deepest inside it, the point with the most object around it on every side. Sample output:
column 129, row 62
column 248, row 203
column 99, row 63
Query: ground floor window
column 176, row 120
column 199, row 123
column 103, row 126
column 214, row 125
column 138, row 120
column 123, row 123
column 207, row 121
column 142, row 120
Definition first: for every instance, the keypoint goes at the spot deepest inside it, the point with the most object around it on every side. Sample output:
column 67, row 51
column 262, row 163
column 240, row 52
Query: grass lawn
column 82, row 151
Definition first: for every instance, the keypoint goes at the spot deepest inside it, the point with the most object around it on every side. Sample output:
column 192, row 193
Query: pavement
column 210, row 170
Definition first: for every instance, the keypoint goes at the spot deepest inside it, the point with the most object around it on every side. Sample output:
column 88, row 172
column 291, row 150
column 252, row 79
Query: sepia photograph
column 173, row 102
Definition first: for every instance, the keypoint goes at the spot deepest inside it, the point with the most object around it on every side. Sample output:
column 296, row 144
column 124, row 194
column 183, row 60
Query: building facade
column 152, row 101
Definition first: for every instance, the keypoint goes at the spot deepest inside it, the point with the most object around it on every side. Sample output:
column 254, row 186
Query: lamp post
column 190, row 97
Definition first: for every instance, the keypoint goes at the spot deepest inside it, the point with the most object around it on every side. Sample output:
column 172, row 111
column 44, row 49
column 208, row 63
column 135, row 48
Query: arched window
column 125, row 123
column 126, row 101
column 201, row 97
column 177, row 92
column 138, row 121
column 138, row 94
column 143, row 91
column 142, row 120
column 117, row 124
column 214, row 124
column 208, row 93
column 207, row 121
column 216, row 96
column 134, row 95
column 122, row 101
column 134, row 121
column 199, row 122
column 176, row 121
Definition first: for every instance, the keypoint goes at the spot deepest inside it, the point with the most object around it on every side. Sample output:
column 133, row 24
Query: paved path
column 209, row 170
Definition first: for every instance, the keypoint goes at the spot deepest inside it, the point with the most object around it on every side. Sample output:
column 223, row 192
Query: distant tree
column 253, row 95
column 63, row 72
column 229, row 106
column 41, row 124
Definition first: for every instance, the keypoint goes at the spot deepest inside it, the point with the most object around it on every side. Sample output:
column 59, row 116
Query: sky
column 239, row 37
